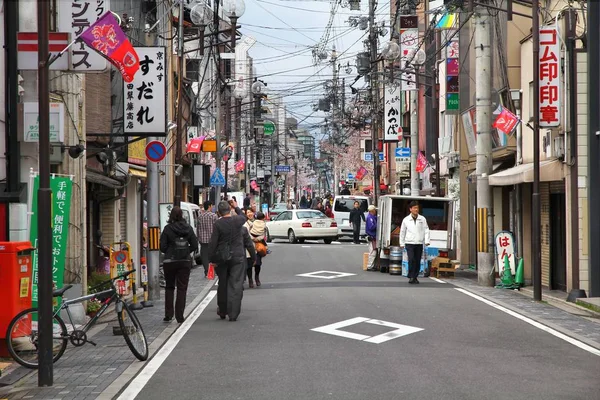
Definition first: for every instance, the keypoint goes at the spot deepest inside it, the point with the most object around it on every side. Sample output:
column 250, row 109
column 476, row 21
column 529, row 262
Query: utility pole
column 179, row 135
column 45, row 264
column 483, row 104
column 228, row 95
column 414, row 142
column 594, row 144
column 375, row 99
column 218, row 120
column 536, row 204
column 153, row 224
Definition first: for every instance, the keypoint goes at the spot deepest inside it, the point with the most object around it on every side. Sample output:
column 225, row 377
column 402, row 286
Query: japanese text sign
column 409, row 44
column 145, row 97
column 392, row 118
column 505, row 246
column 75, row 16
column 452, row 75
column 61, row 207
column 549, row 73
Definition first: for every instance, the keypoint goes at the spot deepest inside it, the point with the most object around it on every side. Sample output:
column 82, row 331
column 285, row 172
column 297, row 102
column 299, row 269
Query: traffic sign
column 283, row 168
column 369, row 157
column 350, row 177
column 268, row 128
column 156, row 151
column 217, row 178
column 402, row 152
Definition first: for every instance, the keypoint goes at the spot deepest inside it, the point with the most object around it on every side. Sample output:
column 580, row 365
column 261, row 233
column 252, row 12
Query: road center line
column 136, row 386
column 538, row 325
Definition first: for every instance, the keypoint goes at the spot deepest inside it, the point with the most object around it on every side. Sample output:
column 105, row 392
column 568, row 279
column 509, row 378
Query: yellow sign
column 136, row 152
column 24, row 287
column 209, row 146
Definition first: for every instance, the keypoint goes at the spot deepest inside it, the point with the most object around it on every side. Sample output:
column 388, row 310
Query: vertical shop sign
column 549, row 77
column 61, row 188
column 145, row 97
column 409, row 44
column 392, row 118
column 75, row 16
column 452, row 76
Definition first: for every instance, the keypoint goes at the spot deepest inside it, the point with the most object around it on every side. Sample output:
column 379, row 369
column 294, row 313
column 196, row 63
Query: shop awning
column 550, row 170
column 132, row 170
column 101, row 179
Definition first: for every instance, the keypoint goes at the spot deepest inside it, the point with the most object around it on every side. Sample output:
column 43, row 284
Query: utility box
column 15, row 280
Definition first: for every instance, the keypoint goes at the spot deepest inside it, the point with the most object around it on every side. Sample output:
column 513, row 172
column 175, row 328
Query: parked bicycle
column 22, row 334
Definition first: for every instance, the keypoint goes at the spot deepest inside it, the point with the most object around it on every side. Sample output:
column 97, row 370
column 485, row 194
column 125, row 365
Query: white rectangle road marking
column 333, row 329
column 401, row 330
column 538, row 325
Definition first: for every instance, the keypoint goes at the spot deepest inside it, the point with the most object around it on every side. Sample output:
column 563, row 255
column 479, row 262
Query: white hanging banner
column 409, row 44
column 75, row 16
column 145, row 109
column 391, row 117
column 550, row 93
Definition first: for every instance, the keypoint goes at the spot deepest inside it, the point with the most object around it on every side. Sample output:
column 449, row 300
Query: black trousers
column 177, row 274
column 356, row 232
column 231, row 284
column 204, row 256
column 415, row 252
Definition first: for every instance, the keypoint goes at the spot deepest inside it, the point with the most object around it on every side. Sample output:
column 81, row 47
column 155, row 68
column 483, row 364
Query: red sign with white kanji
column 506, row 121
column 505, row 247
column 549, row 72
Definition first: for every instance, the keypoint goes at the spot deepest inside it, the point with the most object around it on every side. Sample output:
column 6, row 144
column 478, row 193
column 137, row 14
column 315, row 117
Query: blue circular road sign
column 156, row 151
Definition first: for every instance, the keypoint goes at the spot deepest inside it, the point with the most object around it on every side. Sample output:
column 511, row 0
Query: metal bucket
column 395, row 260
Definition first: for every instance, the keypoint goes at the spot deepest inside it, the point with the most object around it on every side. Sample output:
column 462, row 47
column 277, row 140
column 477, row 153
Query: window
column 310, row 214
column 347, row 204
column 283, row 216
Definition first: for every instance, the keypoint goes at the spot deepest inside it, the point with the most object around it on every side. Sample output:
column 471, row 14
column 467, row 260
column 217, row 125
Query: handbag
column 261, row 249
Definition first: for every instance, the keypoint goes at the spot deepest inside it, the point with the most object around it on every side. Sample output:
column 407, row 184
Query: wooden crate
column 446, row 269
column 365, row 261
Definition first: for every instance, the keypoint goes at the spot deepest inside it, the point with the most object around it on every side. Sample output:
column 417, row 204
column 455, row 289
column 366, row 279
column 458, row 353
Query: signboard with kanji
column 409, row 44
column 120, row 262
column 549, row 73
column 145, row 110
column 505, row 246
column 452, row 74
column 392, row 118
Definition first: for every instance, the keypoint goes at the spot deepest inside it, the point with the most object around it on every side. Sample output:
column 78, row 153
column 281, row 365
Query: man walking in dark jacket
column 177, row 241
column 356, row 214
column 229, row 229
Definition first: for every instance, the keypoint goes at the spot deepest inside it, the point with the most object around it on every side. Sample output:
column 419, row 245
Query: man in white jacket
column 413, row 233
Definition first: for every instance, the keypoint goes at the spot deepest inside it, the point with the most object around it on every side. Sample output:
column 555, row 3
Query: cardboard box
column 365, row 261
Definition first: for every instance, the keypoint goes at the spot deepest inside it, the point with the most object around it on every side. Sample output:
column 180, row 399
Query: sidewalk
column 100, row 372
column 553, row 311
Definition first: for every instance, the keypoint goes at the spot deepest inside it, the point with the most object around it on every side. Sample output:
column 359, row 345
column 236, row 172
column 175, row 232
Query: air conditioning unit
column 559, row 147
column 553, row 144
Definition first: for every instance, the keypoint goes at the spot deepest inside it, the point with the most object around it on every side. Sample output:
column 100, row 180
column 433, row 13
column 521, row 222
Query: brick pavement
column 88, row 372
column 568, row 319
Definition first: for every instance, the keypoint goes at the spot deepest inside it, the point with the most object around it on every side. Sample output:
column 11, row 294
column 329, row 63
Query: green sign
column 61, row 188
column 452, row 101
column 268, row 128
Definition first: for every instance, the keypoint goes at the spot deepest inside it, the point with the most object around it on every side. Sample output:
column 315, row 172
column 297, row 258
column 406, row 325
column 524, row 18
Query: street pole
column 483, row 103
column 536, row 205
column 594, row 145
column 44, row 245
column 153, row 222
column 375, row 98
column 179, row 134
column 414, row 142
column 228, row 111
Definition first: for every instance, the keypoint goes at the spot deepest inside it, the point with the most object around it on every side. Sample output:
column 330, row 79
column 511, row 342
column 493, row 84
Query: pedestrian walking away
column 177, row 242
column 414, row 232
column 227, row 251
column 257, row 234
column 356, row 215
column 371, row 232
column 249, row 260
column 206, row 220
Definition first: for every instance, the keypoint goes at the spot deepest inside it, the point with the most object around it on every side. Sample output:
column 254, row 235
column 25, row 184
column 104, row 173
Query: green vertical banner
column 61, row 188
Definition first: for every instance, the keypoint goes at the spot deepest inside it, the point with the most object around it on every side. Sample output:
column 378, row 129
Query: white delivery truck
column 392, row 210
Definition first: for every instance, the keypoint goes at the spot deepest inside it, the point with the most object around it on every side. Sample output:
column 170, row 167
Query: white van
column 342, row 205
column 190, row 211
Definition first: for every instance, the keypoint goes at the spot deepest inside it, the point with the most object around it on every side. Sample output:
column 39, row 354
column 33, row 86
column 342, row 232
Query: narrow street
column 445, row 343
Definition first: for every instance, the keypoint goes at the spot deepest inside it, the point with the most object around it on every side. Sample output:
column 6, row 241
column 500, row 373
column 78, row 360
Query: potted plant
column 93, row 306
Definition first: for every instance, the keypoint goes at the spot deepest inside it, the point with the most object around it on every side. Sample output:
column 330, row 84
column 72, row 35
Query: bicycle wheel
column 132, row 332
column 22, row 338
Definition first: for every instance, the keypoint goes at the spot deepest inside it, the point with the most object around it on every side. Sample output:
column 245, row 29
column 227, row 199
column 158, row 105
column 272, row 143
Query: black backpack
column 181, row 249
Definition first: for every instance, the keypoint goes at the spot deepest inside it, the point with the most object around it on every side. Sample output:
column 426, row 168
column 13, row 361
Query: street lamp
column 198, row 15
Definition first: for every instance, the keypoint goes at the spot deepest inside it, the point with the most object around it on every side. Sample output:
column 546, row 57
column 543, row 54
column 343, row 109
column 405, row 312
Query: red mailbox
column 15, row 281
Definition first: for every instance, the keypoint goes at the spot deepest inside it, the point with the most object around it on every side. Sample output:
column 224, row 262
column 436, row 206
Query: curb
column 536, row 318
column 135, row 367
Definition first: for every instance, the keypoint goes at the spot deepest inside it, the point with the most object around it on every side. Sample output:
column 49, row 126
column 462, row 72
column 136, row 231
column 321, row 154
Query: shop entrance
column 558, row 243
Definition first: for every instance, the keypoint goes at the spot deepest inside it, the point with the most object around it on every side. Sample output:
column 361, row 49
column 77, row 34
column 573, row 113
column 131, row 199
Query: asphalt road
column 427, row 341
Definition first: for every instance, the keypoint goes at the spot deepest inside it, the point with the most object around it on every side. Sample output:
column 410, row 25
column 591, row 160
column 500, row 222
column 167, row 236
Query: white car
column 299, row 225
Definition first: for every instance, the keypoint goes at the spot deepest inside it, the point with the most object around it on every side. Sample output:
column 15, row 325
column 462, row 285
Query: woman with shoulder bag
column 257, row 233
column 178, row 241
column 249, row 259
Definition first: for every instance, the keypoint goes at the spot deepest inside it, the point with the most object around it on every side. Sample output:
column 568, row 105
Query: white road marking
column 331, row 274
column 136, row 386
column 436, row 279
column 306, row 247
column 399, row 330
column 538, row 325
